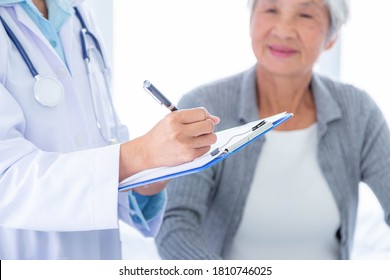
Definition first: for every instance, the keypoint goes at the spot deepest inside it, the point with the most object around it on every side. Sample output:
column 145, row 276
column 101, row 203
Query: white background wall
column 179, row 45
column 365, row 55
column 172, row 44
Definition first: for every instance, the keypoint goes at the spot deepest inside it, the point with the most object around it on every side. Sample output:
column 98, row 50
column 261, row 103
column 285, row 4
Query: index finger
column 193, row 115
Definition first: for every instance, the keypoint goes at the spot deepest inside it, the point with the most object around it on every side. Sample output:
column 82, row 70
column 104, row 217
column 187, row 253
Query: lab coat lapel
column 24, row 19
column 77, row 2
column 67, row 33
column 67, row 38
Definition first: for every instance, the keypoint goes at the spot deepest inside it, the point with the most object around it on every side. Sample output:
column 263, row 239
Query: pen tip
column 147, row 83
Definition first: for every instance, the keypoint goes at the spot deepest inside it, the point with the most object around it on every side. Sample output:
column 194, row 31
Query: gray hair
column 338, row 13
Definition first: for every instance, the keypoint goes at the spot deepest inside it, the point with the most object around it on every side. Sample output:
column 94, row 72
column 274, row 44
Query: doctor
column 58, row 174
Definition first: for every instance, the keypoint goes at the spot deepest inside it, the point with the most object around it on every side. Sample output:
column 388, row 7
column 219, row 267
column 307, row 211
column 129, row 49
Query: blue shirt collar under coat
column 59, row 10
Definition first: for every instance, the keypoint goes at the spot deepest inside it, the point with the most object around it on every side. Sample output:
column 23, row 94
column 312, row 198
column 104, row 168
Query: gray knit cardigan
column 204, row 209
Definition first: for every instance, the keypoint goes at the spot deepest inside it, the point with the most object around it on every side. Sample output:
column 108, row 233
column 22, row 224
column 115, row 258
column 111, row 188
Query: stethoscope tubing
column 85, row 32
column 56, row 95
column 21, row 50
column 86, row 57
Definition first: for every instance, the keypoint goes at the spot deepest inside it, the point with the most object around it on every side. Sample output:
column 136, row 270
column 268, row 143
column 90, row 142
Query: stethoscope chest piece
column 48, row 91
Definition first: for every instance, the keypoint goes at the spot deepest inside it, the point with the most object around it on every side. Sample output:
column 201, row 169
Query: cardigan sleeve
column 375, row 155
column 180, row 235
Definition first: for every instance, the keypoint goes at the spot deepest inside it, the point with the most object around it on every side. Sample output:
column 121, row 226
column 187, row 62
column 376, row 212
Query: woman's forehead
column 303, row 3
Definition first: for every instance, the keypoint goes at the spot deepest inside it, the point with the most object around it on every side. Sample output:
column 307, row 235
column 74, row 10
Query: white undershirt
column 290, row 212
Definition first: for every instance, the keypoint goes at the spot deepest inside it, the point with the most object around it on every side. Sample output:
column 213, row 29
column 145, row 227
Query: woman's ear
column 331, row 42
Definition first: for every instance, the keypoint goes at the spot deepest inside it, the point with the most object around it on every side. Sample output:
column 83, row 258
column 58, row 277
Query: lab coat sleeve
column 51, row 191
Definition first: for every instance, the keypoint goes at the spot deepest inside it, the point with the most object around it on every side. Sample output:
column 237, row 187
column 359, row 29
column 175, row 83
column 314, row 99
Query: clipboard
column 229, row 141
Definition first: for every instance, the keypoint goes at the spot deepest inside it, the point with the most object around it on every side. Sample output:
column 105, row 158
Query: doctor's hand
column 151, row 189
column 181, row 136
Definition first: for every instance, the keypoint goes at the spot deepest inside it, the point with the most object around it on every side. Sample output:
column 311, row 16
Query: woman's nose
column 284, row 28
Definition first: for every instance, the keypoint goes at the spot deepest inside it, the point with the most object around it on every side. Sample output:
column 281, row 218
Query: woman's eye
column 305, row 16
column 271, row 11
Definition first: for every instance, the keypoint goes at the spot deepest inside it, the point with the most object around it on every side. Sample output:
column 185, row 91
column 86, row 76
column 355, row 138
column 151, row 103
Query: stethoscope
column 49, row 92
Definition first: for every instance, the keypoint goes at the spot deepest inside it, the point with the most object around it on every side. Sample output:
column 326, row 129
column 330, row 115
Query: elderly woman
column 294, row 193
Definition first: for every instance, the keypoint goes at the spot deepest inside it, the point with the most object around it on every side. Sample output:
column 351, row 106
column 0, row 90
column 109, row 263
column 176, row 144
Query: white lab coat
column 58, row 183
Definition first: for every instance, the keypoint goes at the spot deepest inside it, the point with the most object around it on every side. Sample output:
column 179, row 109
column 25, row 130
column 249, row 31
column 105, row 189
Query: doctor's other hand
column 181, row 136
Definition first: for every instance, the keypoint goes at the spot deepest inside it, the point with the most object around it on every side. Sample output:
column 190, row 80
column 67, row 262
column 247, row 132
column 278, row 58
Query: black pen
column 156, row 94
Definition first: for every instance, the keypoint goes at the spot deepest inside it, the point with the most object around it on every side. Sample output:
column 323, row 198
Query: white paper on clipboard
column 228, row 142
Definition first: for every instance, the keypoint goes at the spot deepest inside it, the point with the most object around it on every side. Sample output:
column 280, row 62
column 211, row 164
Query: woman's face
column 289, row 35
